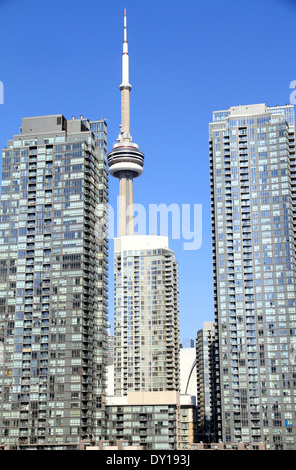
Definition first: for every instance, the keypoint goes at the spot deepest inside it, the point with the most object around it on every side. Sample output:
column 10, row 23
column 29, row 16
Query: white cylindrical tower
column 125, row 160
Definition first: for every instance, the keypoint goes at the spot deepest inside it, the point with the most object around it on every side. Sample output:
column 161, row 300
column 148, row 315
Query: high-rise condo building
column 146, row 312
column 253, row 197
column 146, row 328
column 53, row 276
column 206, row 351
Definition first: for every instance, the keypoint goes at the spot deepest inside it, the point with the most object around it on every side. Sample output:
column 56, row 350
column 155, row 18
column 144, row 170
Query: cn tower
column 125, row 160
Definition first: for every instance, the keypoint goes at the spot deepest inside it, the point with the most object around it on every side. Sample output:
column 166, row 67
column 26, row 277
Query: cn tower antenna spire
column 125, row 58
column 125, row 160
column 125, row 31
column 125, row 88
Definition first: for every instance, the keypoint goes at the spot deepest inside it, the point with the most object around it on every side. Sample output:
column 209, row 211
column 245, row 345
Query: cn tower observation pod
column 125, row 157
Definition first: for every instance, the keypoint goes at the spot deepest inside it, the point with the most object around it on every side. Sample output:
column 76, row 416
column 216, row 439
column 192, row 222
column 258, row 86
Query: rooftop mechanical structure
column 125, row 161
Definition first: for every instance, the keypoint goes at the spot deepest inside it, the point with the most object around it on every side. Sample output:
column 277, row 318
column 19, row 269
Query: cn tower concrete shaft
column 125, row 111
column 125, row 160
column 126, row 209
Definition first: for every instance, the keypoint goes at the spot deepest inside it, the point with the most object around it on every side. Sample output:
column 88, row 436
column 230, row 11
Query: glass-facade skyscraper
column 53, row 277
column 146, row 316
column 253, row 196
column 206, row 383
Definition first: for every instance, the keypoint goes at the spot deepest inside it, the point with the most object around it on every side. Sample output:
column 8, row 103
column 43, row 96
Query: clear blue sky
column 187, row 59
